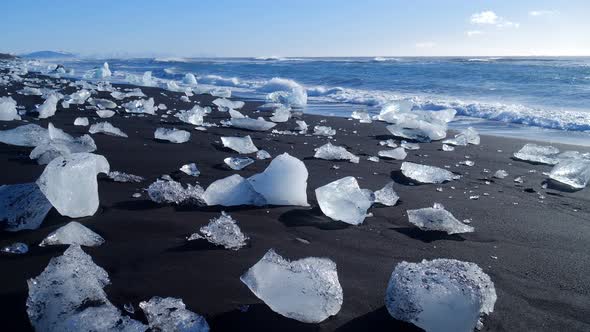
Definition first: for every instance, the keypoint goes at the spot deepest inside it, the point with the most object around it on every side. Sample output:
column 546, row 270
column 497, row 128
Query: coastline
column 535, row 252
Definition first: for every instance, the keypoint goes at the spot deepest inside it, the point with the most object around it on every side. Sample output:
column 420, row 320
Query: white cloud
column 488, row 17
column 472, row 33
column 427, row 44
column 535, row 13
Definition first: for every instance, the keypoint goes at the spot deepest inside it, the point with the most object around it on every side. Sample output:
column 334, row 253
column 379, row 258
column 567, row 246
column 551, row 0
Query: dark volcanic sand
column 536, row 252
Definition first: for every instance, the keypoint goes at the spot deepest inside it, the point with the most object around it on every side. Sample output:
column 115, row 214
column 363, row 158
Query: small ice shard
column 17, row 248
column 281, row 114
column 172, row 135
column 386, row 196
column 231, row 191
column 224, row 231
column 283, row 182
column 442, row 295
column 190, row 169
column 8, row 111
column 469, row 163
column 373, row 159
column 446, row 147
column 224, row 105
column 252, row 124
column 538, row 154
column 500, row 174
column 25, row 135
column 390, row 143
column 69, row 183
column 343, row 200
column 437, row 219
column 170, row 315
column 143, row 106
column 81, row 122
column 427, row 174
column 22, row 206
column 397, row 154
column 125, row 177
column 306, row 290
column 242, row 145
column 60, row 144
column 519, row 180
column 102, row 103
column 467, row 136
column 238, row 163
column 262, row 154
column 361, row 115
column 48, row 108
column 334, row 152
column 574, row 173
column 323, row 131
column 193, row 116
column 409, row 146
column 68, row 296
column 107, row 129
column 301, row 126
column 189, row 79
column 104, row 114
column 170, row 191
column 73, row 233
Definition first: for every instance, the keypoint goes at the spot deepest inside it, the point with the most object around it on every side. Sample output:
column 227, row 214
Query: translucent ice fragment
column 73, row 233
column 343, row 200
column 427, row 174
column 334, row 152
column 437, row 219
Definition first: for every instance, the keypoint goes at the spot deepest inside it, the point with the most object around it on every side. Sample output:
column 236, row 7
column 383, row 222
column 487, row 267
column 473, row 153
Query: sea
column 538, row 98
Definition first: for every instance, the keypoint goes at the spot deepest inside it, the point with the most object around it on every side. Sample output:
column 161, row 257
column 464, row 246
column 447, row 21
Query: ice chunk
column 285, row 91
column 172, row 135
column 68, row 296
column 397, row 153
column 143, row 106
column 105, row 114
column 125, row 177
column 107, row 129
column 301, row 126
column 574, row 173
column 500, row 174
column 390, row 143
column 281, row 114
column 22, row 206
column 238, row 163
column 102, row 103
column 73, row 233
column 307, row 290
column 193, row 116
column 48, row 108
column 189, row 79
column 60, row 144
column 146, row 79
column 239, row 144
column 343, row 200
column 17, row 248
column 190, row 169
column 262, row 154
column 538, row 154
column 323, row 131
column 130, row 93
column 224, row 231
column 446, row 147
column 78, row 97
column 389, row 110
column 224, row 105
column 409, row 146
column 232, row 190
column 26, row 135
column 236, row 115
column 170, row 315
column 30, row 91
column 362, row 115
column 471, row 135
column 99, row 73
column 427, row 174
column 443, row 295
column 8, row 110
column 169, row 191
column 334, row 152
column 81, row 122
column 252, row 124
column 283, row 182
column 419, row 130
column 437, row 219
column 386, row 196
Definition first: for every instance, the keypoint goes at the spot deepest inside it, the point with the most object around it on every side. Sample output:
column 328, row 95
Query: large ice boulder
column 69, row 183
column 307, row 290
column 573, row 172
column 231, row 191
column 22, row 206
column 540, row 154
column 25, row 135
column 427, row 174
column 283, row 182
column 344, row 200
column 170, row 315
column 437, row 218
column 441, row 295
column 8, row 110
column 60, row 144
column 68, row 296
column 73, row 233
column 423, row 126
column 48, row 108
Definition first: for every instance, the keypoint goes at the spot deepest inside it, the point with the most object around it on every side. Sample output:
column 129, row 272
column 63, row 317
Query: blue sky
column 297, row 28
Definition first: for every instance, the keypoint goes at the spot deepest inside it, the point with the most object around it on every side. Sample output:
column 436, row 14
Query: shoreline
column 535, row 250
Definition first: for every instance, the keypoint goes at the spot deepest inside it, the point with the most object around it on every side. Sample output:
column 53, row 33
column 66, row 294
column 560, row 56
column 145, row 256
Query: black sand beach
column 535, row 250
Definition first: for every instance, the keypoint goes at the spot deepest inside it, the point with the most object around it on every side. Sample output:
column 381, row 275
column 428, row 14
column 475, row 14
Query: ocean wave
column 385, row 59
column 171, row 59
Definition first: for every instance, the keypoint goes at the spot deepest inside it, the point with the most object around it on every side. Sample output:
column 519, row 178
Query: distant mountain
column 48, row 55
column 5, row 56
